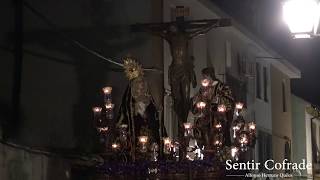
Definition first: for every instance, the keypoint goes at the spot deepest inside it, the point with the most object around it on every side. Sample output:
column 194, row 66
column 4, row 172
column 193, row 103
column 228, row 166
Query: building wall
column 299, row 128
column 60, row 81
column 281, row 121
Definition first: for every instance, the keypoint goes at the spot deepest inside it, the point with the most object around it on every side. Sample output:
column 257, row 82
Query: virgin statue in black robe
column 138, row 109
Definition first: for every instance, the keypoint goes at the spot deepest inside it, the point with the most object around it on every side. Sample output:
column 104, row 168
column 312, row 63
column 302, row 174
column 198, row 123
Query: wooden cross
column 178, row 33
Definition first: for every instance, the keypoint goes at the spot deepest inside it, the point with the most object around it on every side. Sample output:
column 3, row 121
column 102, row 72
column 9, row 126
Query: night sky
column 264, row 19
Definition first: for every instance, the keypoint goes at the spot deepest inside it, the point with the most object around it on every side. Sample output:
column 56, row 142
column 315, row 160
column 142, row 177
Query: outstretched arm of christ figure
column 157, row 29
column 198, row 27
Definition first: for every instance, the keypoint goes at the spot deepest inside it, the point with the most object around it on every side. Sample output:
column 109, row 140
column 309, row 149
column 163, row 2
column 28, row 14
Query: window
column 284, row 100
column 265, row 84
column 258, row 83
column 264, row 148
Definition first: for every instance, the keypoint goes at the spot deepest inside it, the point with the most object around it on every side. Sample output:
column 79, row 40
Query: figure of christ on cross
column 181, row 74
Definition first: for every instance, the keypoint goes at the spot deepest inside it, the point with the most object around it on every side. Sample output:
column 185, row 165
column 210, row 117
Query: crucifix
column 178, row 33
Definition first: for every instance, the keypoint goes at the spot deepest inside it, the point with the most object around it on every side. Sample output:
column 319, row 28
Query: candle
column 201, row 105
column 96, row 113
column 143, row 143
column 107, row 90
column 109, row 106
column 239, row 105
column 103, row 129
column 187, row 128
column 252, row 126
column 222, row 108
column 205, row 82
column 217, row 143
column 167, row 141
column 96, row 110
column 107, row 94
column 187, row 125
column 218, row 125
column 166, row 145
column 109, row 110
column 115, row 146
column 143, row 139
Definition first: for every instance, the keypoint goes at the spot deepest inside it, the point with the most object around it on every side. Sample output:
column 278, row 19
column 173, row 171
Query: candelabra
column 204, row 138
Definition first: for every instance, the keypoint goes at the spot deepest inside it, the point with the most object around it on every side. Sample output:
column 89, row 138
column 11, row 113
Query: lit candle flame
column 217, row 142
column 96, row 109
column 103, row 129
column 222, row 108
column 109, row 106
column 218, row 126
column 187, row 125
column 143, row 139
column 239, row 105
column 166, row 141
column 205, row 82
column 201, row 105
column 107, row 90
column 236, row 127
column 115, row 146
column 252, row 126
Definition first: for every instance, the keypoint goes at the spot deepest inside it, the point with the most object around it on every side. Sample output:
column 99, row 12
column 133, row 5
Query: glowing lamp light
column 109, row 106
column 201, row 105
column 205, row 82
column 187, row 125
column 218, row 126
column 103, row 129
column 239, row 105
column 115, row 146
column 166, row 141
column 217, row 143
column 96, row 109
column 107, row 90
column 302, row 17
column 143, row 139
column 252, row 126
column 222, row 108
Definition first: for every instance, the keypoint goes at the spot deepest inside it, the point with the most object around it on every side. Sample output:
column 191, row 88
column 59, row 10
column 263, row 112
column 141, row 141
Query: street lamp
column 302, row 17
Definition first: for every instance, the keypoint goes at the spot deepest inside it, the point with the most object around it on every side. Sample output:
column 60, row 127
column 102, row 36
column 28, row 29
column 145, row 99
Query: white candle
column 252, row 126
column 143, row 139
column 107, row 90
column 115, row 146
column 166, row 145
column 222, row 108
column 201, row 105
column 239, row 105
column 218, row 125
column 205, row 82
column 96, row 113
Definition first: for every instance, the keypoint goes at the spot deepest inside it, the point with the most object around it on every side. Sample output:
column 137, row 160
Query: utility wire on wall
column 75, row 42
column 75, row 156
